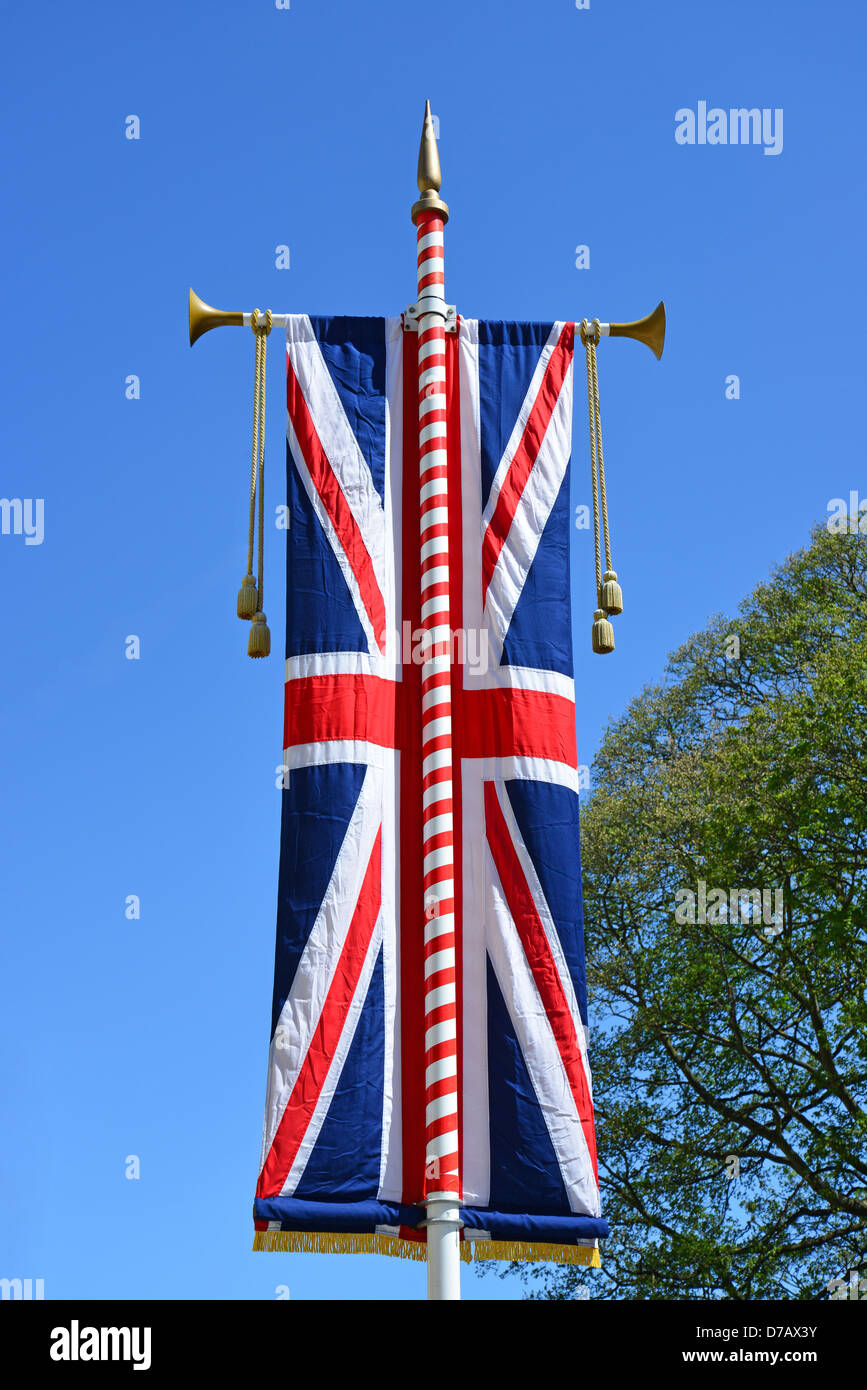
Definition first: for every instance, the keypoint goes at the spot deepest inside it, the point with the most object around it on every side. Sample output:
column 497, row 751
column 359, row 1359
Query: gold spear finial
column 429, row 173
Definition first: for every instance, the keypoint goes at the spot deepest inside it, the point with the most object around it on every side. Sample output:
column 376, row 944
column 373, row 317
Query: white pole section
column 443, row 1249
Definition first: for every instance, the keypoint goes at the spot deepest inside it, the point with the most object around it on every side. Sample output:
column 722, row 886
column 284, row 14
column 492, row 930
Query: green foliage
column 727, row 1044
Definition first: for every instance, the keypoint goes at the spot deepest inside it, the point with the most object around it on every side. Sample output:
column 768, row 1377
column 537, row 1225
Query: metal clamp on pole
column 413, row 312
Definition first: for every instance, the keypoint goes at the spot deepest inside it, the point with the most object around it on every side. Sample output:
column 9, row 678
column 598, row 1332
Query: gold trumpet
column 649, row 330
column 203, row 318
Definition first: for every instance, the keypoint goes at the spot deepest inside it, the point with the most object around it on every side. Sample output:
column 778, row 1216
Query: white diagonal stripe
column 438, row 1071
column 438, row 825
column 439, row 858
column 301, row 1011
column 540, row 1050
column 347, row 462
column 439, row 1108
column 336, row 1064
column 442, row 1032
column 440, row 960
column 530, row 519
column 438, row 998
column 440, row 791
column 438, row 575
column 521, row 423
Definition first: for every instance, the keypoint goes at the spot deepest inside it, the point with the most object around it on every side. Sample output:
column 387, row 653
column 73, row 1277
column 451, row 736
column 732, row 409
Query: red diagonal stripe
column 314, row 1069
column 526, row 453
column 335, row 504
column 542, row 964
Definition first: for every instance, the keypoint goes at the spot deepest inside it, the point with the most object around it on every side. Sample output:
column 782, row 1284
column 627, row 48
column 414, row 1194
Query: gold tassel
column 611, row 598
column 248, row 598
column 250, row 594
column 603, row 633
column 259, row 641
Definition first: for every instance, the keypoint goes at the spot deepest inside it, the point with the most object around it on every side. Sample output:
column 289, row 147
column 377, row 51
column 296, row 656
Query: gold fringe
column 339, row 1243
column 525, row 1250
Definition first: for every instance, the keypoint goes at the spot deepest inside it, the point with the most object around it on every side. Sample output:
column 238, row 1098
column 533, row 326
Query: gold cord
column 592, row 409
column 609, row 598
column 262, row 342
column 250, row 594
column 255, row 451
column 592, row 364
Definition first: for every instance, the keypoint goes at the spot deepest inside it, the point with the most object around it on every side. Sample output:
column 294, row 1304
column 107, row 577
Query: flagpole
column 442, row 1160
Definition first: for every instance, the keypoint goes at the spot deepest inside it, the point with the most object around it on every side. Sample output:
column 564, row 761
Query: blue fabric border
column 362, row 1218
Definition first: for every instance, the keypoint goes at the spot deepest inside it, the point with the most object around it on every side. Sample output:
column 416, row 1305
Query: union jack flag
column 343, row 1152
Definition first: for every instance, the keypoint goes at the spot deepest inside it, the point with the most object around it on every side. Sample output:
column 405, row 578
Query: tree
column 730, row 1054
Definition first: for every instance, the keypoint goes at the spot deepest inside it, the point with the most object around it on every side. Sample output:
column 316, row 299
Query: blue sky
column 155, row 777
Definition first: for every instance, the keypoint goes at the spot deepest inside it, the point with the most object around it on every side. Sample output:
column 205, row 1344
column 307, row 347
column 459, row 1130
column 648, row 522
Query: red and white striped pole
column 442, row 1160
